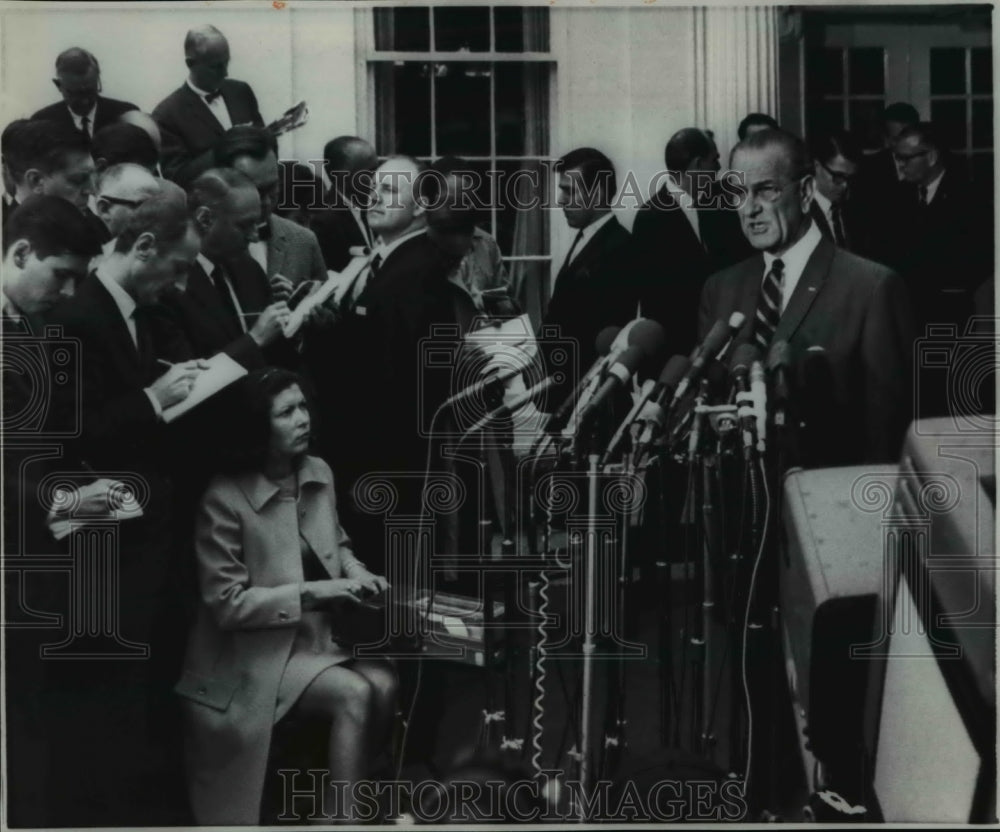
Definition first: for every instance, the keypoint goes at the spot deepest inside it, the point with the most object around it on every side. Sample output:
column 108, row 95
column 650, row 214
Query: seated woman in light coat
column 273, row 565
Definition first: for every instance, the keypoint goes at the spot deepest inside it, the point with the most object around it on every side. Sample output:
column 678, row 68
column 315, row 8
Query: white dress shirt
column 587, row 234
column 218, row 106
column 126, row 305
column 794, row 260
column 932, row 188
column 78, row 120
column 686, row 204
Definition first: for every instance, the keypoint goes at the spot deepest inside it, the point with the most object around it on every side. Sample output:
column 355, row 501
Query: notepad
column 336, row 286
column 220, row 373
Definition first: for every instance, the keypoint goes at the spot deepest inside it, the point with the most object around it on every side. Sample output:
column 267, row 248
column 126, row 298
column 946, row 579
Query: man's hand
column 281, row 287
column 270, row 324
column 176, row 383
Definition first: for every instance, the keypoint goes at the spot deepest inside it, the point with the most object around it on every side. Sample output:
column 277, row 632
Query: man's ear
column 933, row 157
column 33, row 180
column 203, row 218
column 21, row 251
column 58, row 85
column 145, row 245
column 807, row 191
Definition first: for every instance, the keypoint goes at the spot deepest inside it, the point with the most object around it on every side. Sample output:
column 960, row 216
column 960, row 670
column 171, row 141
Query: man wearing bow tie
column 195, row 116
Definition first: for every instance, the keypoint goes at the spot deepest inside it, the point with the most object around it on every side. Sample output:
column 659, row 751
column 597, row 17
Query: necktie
column 769, row 306
column 922, row 194
column 364, row 279
column 572, row 251
column 837, row 221
column 85, row 125
column 143, row 339
column 211, row 96
column 219, row 280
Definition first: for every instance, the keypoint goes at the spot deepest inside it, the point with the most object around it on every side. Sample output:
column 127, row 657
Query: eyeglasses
column 114, row 200
column 839, row 177
column 764, row 191
column 909, row 157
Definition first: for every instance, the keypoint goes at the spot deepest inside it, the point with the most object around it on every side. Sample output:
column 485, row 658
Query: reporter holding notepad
column 274, row 569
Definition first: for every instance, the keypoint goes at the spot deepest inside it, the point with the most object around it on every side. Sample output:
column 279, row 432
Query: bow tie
column 211, row 96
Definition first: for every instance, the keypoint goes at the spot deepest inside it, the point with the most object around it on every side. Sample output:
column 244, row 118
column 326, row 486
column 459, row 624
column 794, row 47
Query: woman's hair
column 252, row 399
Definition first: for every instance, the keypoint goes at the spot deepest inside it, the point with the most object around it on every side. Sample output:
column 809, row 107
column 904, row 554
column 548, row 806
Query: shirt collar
column 198, row 90
column 824, row 204
column 259, row 490
column 932, row 187
column 586, row 234
column 90, row 116
column 123, row 300
column 794, row 261
column 384, row 250
column 206, row 264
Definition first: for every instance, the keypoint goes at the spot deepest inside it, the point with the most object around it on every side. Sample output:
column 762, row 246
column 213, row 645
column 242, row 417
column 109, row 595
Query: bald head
column 121, row 189
column 206, row 53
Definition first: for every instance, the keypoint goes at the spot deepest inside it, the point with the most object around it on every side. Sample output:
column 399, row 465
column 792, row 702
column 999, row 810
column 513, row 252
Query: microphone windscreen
column 631, row 358
column 674, row 371
column 778, row 356
column 715, row 340
column 650, row 337
column 605, row 338
column 736, row 321
column 743, row 356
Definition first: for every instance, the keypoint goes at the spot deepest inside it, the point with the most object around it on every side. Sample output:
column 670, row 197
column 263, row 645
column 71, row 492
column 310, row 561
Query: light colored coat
column 293, row 251
column 250, row 571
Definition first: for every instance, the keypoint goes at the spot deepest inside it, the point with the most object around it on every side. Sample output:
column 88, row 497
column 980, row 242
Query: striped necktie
column 769, row 306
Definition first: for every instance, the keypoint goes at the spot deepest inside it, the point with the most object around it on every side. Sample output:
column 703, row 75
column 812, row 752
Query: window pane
column 866, row 68
column 949, row 118
column 402, row 122
column 947, row 70
column 521, row 109
column 982, row 69
column 403, row 30
column 521, row 29
column 461, row 28
column 522, row 219
column 463, row 109
column 827, row 72
column 864, row 116
column 982, row 124
column 824, row 117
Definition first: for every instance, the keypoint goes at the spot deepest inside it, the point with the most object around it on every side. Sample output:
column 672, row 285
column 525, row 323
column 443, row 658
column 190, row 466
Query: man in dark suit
column 845, row 319
column 194, row 117
column 47, row 247
column 349, row 162
column 83, row 108
column 836, row 162
column 227, row 304
column 51, row 160
column 114, row 754
column 682, row 235
column 594, row 287
column 287, row 252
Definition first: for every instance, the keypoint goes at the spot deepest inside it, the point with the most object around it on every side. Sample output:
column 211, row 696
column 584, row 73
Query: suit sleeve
column 317, row 265
column 887, row 341
column 352, row 567
column 175, row 159
column 257, row 118
column 223, row 577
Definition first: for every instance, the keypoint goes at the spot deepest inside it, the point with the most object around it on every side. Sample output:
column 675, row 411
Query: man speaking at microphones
column 821, row 300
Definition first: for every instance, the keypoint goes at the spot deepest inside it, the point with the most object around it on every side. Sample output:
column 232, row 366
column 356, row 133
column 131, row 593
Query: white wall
column 286, row 55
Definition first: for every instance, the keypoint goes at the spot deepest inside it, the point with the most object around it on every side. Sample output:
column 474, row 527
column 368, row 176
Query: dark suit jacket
column 672, row 264
column 337, row 232
column 108, row 112
column 201, row 316
column 858, row 313
column 595, row 291
column 190, row 130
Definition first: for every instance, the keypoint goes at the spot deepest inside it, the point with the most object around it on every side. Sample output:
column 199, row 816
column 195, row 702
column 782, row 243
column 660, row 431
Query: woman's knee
column 341, row 693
